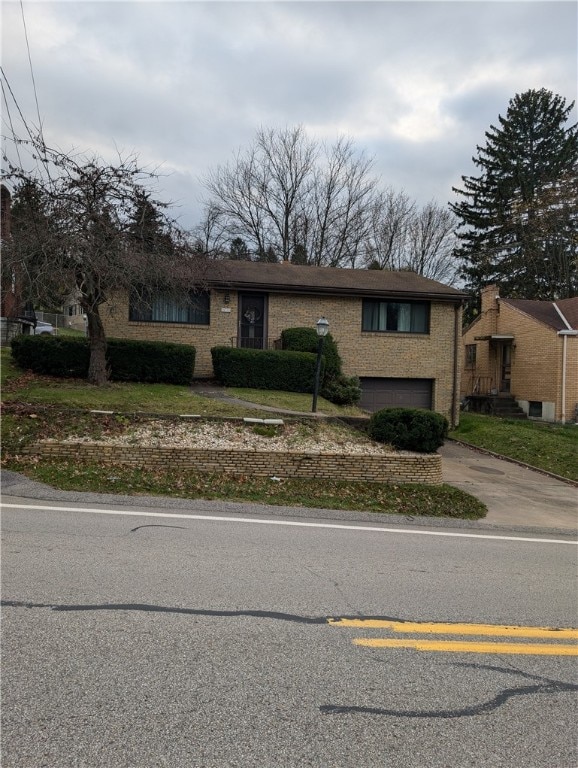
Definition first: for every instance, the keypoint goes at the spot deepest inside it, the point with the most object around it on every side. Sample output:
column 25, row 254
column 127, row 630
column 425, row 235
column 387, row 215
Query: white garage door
column 377, row 393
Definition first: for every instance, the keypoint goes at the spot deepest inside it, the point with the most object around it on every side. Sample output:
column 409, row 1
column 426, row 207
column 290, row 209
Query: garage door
column 377, row 393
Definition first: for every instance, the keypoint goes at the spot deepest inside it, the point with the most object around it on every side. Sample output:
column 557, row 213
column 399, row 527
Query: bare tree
column 336, row 216
column 288, row 194
column 430, row 244
column 90, row 233
column 385, row 246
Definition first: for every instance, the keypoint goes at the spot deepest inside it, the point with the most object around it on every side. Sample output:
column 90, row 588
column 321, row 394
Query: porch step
column 507, row 408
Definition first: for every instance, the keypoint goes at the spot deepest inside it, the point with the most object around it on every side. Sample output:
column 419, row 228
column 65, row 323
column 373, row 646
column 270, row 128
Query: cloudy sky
column 184, row 84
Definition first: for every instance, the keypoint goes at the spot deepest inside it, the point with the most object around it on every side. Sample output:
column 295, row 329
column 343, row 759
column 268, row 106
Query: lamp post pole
column 322, row 329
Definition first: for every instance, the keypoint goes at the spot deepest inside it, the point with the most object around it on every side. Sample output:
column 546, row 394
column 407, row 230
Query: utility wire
column 32, row 72
column 14, row 137
column 39, row 147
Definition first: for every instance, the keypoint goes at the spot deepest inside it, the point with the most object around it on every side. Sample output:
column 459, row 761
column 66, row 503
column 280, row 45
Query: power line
column 14, row 137
column 32, row 72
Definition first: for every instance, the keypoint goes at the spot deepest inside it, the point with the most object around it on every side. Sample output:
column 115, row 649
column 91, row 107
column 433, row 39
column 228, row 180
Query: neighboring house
column 525, row 348
column 399, row 332
column 74, row 316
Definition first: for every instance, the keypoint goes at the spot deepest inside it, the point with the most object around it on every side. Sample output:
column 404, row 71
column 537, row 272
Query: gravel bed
column 305, row 437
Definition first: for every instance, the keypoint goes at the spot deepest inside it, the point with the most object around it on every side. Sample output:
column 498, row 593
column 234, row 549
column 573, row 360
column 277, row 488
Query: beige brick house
column 528, row 349
column 399, row 332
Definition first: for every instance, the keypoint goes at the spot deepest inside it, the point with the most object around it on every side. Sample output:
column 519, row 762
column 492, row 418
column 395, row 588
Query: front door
column 506, row 367
column 252, row 317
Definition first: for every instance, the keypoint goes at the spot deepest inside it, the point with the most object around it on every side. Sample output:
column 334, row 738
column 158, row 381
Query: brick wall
column 427, row 356
column 398, row 468
column 536, row 356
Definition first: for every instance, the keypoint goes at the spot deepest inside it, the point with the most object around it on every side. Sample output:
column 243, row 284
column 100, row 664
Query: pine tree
column 519, row 217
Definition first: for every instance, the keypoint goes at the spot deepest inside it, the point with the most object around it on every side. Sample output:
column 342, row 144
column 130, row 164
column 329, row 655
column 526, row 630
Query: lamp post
column 322, row 329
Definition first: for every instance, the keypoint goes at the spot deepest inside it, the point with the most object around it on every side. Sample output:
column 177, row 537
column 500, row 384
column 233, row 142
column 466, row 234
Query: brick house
column 399, row 332
column 525, row 348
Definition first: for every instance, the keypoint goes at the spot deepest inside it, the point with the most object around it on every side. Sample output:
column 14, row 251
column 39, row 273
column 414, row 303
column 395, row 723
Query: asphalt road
column 147, row 640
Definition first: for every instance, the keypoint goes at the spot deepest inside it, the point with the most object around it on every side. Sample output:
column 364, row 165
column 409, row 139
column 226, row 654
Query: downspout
column 456, row 364
column 564, row 335
column 568, row 332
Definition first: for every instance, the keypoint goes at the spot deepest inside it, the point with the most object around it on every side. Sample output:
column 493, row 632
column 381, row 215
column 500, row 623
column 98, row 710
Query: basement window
column 535, row 409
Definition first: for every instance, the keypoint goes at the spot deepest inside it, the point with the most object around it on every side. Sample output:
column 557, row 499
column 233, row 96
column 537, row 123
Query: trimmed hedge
column 69, row 357
column 306, row 340
column 264, row 369
column 61, row 356
column 409, row 429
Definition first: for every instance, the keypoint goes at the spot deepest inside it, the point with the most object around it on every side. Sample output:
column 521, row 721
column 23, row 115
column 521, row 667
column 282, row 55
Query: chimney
column 489, row 298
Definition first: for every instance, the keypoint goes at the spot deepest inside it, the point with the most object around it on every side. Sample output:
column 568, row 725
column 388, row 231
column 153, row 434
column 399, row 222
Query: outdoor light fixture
column 322, row 331
column 322, row 326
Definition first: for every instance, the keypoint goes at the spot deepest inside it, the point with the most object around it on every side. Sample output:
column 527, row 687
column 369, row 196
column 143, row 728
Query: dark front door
column 506, row 367
column 252, row 325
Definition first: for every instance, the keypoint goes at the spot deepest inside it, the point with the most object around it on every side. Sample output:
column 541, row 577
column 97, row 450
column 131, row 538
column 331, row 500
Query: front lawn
column 552, row 447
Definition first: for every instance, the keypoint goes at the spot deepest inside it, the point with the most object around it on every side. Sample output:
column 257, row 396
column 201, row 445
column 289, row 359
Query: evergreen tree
column 238, row 250
column 147, row 228
column 519, row 217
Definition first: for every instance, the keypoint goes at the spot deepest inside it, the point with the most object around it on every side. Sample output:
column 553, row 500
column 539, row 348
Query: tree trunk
column 97, row 369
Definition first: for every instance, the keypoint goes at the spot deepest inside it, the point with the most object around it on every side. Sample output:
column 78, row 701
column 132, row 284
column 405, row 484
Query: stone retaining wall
column 388, row 468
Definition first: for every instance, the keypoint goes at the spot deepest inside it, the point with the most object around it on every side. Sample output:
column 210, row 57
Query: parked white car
column 43, row 329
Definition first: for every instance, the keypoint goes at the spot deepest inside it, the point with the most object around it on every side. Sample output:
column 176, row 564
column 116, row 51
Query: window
column 535, row 409
column 471, row 355
column 157, row 307
column 396, row 316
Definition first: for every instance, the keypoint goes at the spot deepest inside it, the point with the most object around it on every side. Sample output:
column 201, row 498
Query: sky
column 184, row 85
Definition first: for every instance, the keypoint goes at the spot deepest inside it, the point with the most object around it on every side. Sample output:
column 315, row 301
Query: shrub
column 260, row 369
column 151, row 361
column 409, row 429
column 64, row 357
column 306, row 340
column 69, row 357
column 341, row 390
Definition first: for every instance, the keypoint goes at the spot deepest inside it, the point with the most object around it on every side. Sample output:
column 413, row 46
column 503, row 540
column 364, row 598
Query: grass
column 551, row 447
column 21, row 386
column 38, row 407
column 293, row 401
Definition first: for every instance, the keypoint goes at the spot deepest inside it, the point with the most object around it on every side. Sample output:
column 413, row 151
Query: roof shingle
column 288, row 277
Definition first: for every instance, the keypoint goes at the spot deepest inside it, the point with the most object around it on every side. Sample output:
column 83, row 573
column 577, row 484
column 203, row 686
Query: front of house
column 527, row 349
column 397, row 331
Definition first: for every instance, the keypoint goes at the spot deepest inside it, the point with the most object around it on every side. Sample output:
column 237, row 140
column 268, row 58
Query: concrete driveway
column 513, row 494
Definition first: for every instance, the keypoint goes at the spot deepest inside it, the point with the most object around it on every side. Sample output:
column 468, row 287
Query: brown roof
column 545, row 311
column 292, row 278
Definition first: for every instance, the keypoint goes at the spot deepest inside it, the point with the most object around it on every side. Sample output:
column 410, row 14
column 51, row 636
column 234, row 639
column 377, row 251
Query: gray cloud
column 184, row 84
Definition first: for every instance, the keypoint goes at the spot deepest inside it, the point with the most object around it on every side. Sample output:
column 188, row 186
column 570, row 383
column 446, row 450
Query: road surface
column 161, row 636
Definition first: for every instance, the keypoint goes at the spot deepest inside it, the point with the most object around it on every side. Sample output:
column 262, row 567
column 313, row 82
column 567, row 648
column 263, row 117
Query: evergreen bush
column 342, row 390
column 69, row 357
column 306, row 340
column 264, row 369
column 409, row 429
